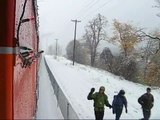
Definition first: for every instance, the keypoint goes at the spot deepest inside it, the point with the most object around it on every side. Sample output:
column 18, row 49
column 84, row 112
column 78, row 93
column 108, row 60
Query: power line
column 88, row 7
column 100, row 7
column 94, row 3
column 103, row 5
column 90, row 3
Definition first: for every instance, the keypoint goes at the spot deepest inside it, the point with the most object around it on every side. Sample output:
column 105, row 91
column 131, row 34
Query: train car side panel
column 25, row 76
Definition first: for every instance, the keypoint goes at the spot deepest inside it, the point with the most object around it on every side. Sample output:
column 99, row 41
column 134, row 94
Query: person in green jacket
column 100, row 100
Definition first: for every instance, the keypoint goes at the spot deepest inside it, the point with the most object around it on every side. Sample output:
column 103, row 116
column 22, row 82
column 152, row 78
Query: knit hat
column 122, row 92
column 102, row 88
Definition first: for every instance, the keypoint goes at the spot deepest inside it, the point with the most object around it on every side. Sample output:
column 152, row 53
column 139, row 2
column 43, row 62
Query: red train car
column 19, row 55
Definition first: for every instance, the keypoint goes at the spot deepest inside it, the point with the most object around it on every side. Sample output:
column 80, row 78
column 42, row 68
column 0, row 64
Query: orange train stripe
column 6, row 93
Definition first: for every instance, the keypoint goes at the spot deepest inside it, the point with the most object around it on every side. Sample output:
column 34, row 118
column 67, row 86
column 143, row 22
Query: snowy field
column 76, row 82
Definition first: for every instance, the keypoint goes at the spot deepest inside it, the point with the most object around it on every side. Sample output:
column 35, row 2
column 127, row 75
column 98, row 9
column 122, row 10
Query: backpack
column 117, row 101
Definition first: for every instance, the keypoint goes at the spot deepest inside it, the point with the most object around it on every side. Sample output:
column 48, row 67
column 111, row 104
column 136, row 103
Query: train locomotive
column 19, row 59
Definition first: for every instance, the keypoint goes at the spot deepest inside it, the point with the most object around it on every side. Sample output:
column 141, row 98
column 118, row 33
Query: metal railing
column 66, row 108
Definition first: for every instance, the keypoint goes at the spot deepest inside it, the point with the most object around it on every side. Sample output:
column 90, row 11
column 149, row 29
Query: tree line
column 138, row 59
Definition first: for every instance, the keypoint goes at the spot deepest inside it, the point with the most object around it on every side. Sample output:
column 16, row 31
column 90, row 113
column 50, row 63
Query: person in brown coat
column 147, row 102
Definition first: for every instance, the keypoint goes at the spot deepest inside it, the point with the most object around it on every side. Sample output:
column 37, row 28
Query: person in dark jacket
column 147, row 102
column 118, row 102
column 100, row 100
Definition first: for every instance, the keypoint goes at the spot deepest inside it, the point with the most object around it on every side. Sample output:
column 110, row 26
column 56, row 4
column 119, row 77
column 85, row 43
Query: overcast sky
column 55, row 16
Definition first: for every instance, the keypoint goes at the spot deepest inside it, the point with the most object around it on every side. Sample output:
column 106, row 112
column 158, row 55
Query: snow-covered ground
column 47, row 103
column 76, row 82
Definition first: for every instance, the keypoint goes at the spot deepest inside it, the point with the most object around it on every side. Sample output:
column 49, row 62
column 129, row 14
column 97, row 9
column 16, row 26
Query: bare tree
column 95, row 32
column 50, row 50
column 106, row 59
column 151, row 56
column 155, row 37
column 79, row 52
column 57, row 50
column 146, row 54
column 158, row 6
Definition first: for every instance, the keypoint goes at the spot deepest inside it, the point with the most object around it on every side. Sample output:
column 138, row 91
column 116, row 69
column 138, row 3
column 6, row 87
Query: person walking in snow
column 118, row 102
column 100, row 100
column 147, row 102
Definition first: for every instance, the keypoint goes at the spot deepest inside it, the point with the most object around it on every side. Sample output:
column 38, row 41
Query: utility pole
column 46, row 50
column 74, row 38
column 56, row 47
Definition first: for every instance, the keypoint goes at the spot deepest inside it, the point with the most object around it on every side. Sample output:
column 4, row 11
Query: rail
column 64, row 104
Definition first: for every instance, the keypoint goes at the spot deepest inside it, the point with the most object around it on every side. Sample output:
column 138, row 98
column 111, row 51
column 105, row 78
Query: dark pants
column 118, row 112
column 146, row 114
column 99, row 115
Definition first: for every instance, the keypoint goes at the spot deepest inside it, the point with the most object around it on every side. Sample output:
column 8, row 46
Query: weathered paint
column 25, row 78
column 17, row 84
